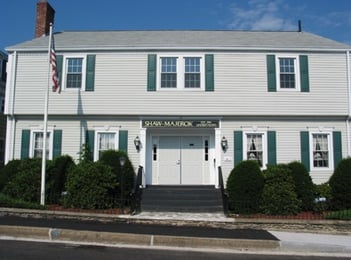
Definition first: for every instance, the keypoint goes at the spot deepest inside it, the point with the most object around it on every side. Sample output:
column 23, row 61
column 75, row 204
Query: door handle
column 178, row 162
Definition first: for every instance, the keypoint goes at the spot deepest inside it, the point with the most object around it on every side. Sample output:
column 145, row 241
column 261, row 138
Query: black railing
column 223, row 192
column 136, row 192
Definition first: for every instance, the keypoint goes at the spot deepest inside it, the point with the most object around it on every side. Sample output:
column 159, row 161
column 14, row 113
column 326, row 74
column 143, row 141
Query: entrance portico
column 180, row 152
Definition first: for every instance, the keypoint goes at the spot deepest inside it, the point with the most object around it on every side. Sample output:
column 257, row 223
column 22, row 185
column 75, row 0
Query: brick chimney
column 45, row 16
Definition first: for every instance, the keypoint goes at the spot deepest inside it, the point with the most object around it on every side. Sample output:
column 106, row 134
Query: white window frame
column 264, row 146
column 297, row 71
column 65, row 67
column 330, row 150
column 96, row 140
column 49, row 143
column 181, row 71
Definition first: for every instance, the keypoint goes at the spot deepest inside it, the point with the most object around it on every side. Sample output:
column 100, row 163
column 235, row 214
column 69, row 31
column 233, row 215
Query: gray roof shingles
column 180, row 39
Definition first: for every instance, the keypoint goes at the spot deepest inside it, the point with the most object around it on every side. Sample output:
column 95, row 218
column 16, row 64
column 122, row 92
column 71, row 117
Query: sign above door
column 180, row 123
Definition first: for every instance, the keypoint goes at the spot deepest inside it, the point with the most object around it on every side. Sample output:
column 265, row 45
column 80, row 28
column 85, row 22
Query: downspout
column 348, row 120
column 11, row 120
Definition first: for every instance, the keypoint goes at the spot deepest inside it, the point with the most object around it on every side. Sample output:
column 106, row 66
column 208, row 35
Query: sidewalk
column 159, row 230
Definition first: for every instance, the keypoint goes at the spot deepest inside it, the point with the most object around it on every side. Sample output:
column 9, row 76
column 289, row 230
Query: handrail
column 223, row 192
column 136, row 192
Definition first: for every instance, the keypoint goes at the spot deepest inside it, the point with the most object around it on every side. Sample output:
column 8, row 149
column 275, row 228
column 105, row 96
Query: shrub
column 112, row 159
column 279, row 196
column 6, row 201
column 56, row 177
column 89, row 186
column 322, row 193
column 340, row 184
column 244, row 187
column 340, row 214
column 8, row 171
column 303, row 185
column 25, row 184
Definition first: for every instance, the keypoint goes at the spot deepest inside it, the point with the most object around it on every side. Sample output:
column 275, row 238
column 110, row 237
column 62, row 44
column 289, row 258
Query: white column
column 218, row 154
column 142, row 152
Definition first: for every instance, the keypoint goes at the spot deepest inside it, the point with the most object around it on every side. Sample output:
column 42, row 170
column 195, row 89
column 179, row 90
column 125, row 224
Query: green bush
column 8, row 202
column 8, row 171
column 279, row 196
column 303, row 185
column 56, row 177
column 89, row 186
column 25, row 184
column 244, row 187
column 339, row 215
column 322, row 193
column 112, row 159
column 340, row 184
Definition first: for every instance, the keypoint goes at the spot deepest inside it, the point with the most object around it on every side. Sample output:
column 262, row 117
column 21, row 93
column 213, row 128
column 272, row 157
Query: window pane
column 106, row 142
column 320, row 150
column 287, row 72
column 192, row 73
column 38, row 145
column 169, row 72
column 254, row 148
column 74, row 72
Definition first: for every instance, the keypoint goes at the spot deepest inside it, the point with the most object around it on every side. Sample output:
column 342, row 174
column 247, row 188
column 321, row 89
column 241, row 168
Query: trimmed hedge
column 303, row 185
column 278, row 196
column 244, row 187
column 340, row 184
column 89, row 186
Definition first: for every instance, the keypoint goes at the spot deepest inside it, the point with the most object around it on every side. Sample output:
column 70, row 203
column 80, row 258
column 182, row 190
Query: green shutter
column 337, row 148
column 304, row 78
column 123, row 140
column 59, row 62
column 25, row 144
column 272, row 148
column 89, row 140
column 209, row 72
column 151, row 72
column 57, row 143
column 90, row 73
column 305, row 149
column 271, row 74
column 238, row 147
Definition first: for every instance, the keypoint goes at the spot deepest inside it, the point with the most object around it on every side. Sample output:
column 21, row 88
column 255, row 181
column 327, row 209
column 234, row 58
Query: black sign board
column 180, row 123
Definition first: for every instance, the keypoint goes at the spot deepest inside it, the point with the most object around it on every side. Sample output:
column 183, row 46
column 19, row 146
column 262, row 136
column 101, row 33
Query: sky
column 328, row 18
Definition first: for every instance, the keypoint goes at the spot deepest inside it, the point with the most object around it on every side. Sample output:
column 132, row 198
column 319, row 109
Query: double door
column 181, row 159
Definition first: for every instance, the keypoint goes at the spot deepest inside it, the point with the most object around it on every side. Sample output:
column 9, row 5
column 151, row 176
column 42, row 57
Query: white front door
column 181, row 160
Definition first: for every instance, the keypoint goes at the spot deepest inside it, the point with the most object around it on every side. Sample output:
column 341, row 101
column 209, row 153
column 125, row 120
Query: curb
column 53, row 234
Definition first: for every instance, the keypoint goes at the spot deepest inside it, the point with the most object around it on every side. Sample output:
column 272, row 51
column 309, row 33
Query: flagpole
column 45, row 130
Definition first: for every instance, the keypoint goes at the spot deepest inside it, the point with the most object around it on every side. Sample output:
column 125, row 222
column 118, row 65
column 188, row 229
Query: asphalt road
column 26, row 250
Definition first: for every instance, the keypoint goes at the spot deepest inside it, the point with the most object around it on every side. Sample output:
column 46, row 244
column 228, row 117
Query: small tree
column 340, row 184
column 244, row 187
column 303, row 185
column 279, row 197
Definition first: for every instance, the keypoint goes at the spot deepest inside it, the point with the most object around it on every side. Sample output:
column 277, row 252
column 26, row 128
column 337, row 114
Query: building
column 182, row 103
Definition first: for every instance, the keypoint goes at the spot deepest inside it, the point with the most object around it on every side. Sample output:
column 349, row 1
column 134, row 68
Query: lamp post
column 122, row 161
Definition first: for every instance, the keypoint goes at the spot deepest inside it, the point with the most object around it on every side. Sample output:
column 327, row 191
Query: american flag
column 55, row 80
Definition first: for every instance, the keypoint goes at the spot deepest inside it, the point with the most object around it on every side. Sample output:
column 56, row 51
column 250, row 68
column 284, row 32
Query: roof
column 174, row 39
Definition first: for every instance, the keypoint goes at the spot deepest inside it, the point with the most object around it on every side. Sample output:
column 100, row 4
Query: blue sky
column 328, row 18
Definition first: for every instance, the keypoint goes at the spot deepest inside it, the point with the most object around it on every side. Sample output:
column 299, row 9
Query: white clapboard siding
column 240, row 88
column 287, row 139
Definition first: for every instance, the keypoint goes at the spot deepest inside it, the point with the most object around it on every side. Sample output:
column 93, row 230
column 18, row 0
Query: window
column 105, row 141
column 255, row 148
column 169, row 72
column 192, row 73
column 74, row 73
column 38, row 142
column 320, row 150
column 181, row 72
column 288, row 73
